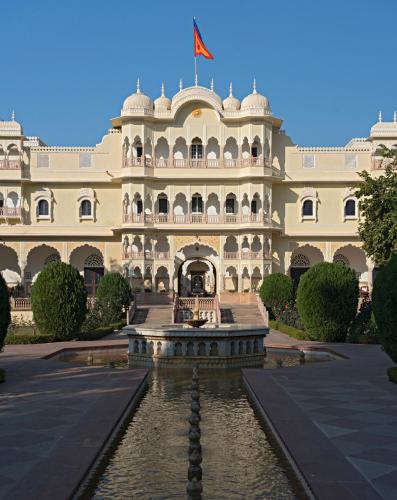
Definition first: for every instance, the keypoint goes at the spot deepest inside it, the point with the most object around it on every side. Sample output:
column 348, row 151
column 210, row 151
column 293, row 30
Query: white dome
column 231, row 103
column 162, row 103
column 254, row 101
column 138, row 101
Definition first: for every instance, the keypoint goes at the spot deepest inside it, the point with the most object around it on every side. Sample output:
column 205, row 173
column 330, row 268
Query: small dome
column 138, row 101
column 231, row 103
column 255, row 101
column 162, row 103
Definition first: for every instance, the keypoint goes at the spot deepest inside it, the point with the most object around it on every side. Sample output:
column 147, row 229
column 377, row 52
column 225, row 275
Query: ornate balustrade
column 148, row 254
column 195, row 218
column 20, row 304
column 245, row 255
column 194, row 163
column 7, row 164
column 10, row 212
column 208, row 308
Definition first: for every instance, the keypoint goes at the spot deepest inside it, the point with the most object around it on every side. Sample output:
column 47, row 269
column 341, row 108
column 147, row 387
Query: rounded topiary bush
column 59, row 300
column 113, row 295
column 384, row 303
column 5, row 314
column 327, row 298
column 276, row 291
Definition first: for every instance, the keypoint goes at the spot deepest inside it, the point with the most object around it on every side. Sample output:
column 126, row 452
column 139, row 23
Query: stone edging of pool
column 87, row 485
column 321, row 469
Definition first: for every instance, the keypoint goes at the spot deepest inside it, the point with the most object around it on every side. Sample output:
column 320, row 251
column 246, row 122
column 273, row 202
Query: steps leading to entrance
column 153, row 315
column 237, row 298
column 245, row 314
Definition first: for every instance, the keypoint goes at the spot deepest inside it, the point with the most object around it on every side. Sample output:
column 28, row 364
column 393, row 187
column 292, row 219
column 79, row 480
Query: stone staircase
column 245, row 314
column 153, row 315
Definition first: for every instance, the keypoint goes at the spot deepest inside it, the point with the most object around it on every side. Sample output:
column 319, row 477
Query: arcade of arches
column 155, row 265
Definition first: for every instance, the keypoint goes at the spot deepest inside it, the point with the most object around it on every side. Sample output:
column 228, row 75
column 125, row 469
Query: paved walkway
column 338, row 420
column 55, row 418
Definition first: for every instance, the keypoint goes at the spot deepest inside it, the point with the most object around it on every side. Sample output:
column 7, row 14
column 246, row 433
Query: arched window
column 230, row 204
column 307, row 208
column 350, row 208
column 43, row 208
column 163, row 204
column 197, row 204
column 139, row 206
column 86, row 208
column 196, row 150
column 341, row 259
column 254, row 206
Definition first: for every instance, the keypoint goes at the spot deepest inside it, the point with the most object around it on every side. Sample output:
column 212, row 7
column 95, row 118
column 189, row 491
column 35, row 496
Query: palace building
column 192, row 195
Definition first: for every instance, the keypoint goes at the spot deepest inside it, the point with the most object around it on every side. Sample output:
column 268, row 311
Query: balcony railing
column 193, row 218
column 194, row 163
column 20, row 304
column 7, row 164
column 245, row 255
column 147, row 254
column 10, row 212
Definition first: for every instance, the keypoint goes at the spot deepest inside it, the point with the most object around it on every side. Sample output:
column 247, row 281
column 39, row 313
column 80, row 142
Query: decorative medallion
column 196, row 112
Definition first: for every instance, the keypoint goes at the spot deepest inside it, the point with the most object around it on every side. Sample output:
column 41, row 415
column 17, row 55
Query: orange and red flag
column 199, row 47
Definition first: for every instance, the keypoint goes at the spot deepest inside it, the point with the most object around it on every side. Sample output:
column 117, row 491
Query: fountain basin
column 212, row 346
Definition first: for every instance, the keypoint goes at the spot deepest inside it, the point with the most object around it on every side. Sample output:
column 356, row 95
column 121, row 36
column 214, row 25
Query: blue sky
column 326, row 67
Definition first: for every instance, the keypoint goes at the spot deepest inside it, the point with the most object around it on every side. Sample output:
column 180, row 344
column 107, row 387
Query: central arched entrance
column 197, row 276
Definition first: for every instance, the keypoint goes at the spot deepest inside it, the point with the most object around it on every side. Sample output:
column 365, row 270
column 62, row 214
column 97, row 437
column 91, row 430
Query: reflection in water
column 151, row 459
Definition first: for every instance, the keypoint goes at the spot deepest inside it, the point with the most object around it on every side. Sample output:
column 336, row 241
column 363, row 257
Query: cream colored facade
column 181, row 194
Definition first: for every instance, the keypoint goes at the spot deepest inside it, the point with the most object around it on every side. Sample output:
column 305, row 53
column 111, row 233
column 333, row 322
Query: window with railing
column 197, row 204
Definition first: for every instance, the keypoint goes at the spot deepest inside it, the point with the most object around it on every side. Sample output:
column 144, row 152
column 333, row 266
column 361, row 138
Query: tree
column 384, row 302
column 276, row 291
column 113, row 296
column 378, row 205
column 5, row 314
column 59, row 300
column 327, row 300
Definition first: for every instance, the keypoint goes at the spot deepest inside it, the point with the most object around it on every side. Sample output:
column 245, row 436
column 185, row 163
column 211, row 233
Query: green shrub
column 327, row 299
column 295, row 333
column 96, row 334
column 92, row 320
column 276, row 291
column 290, row 316
column 384, row 301
column 27, row 338
column 59, row 301
column 392, row 374
column 363, row 330
column 5, row 313
column 113, row 295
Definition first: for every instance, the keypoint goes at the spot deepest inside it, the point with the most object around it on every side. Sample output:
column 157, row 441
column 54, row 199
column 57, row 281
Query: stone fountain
column 196, row 322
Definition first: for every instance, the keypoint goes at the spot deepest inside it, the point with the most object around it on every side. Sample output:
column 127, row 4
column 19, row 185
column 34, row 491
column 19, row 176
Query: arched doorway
column 93, row 272
column 197, row 276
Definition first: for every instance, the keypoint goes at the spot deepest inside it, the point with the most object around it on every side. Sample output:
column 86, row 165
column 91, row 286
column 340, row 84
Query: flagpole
column 195, row 71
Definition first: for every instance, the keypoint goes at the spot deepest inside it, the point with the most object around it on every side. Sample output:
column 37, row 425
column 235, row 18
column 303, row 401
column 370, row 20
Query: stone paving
column 55, row 418
column 347, row 412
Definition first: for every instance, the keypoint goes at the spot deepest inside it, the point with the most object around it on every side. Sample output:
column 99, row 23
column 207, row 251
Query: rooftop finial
column 162, row 89
column 254, row 86
column 13, row 116
column 231, row 89
column 138, row 87
column 380, row 116
column 196, row 80
column 212, row 84
column 180, row 85
column 395, row 116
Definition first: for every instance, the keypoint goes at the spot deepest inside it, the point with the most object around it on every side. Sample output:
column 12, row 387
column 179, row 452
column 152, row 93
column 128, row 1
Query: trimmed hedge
column 5, row 311
column 276, row 291
column 289, row 330
column 113, row 295
column 327, row 300
column 392, row 374
column 384, row 303
column 59, row 301
column 27, row 338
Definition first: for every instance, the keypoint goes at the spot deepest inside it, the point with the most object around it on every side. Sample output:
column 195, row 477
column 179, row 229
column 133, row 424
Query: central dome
column 137, row 101
column 255, row 101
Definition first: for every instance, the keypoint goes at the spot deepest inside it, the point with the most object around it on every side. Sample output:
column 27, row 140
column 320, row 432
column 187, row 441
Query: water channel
column 150, row 461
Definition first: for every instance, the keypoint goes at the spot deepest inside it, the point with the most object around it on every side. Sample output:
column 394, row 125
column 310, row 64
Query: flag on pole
column 199, row 48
